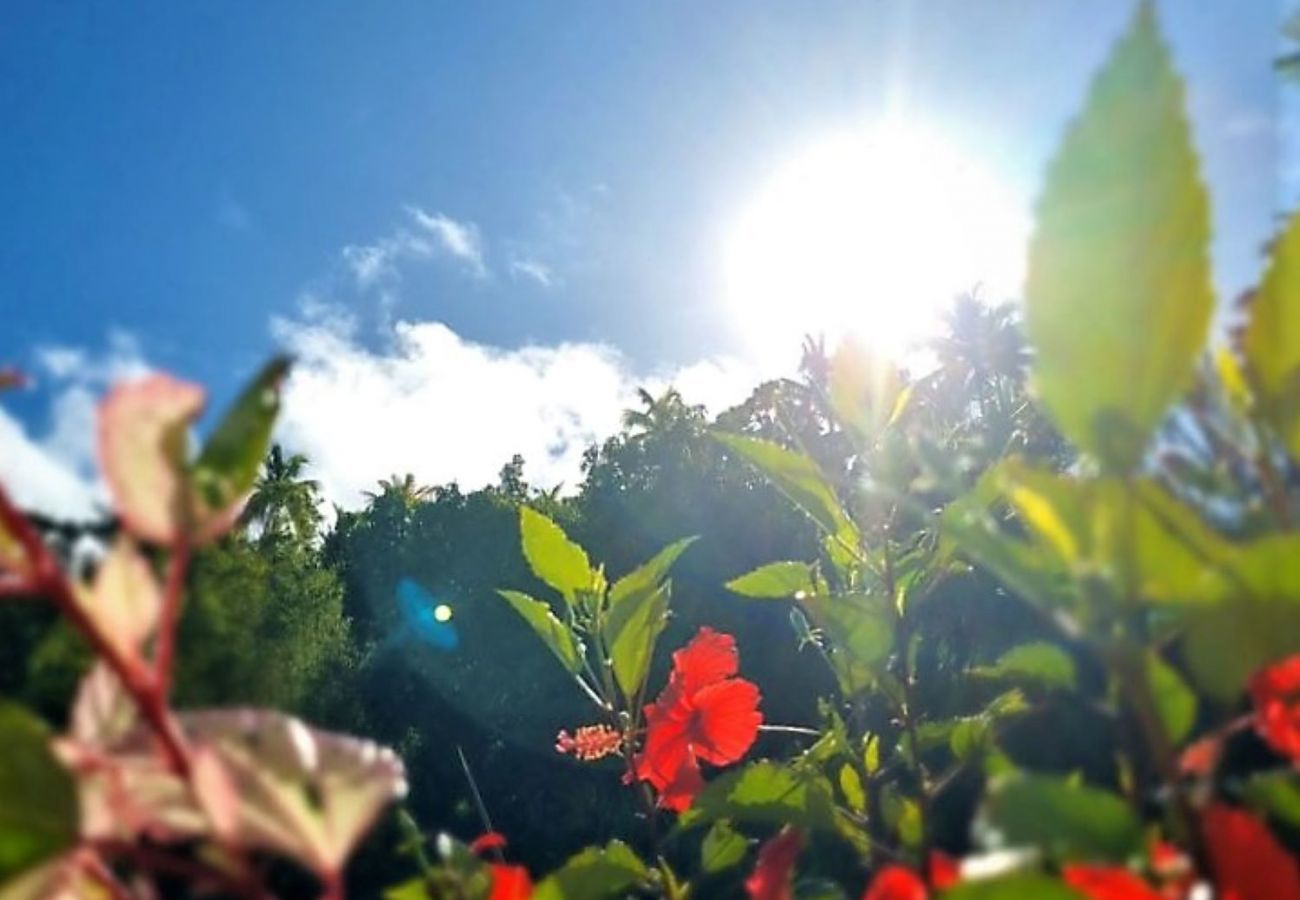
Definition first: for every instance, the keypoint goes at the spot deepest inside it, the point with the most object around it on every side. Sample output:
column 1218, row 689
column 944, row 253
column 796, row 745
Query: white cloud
column 53, row 471
column 444, row 408
column 532, row 270
column 432, row 235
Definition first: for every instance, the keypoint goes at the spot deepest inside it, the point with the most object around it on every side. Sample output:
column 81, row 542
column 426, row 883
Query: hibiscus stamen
column 590, row 742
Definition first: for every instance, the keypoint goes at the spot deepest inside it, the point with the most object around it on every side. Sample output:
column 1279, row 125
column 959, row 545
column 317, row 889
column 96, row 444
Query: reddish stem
column 169, row 619
column 47, row 578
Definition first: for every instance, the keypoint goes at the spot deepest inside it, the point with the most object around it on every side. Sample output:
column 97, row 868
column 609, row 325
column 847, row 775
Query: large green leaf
column 1226, row 644
column 645, row 579
column 1270, row 341
column 631, row 630
column 796, row 476
column 555, row 559
column 597, row 873
column 776, row 580
column 722, row 848
column 1118, row 291
column 1063, row 819
column 550, row 629
column 1038, row 663
column 38, row 801
column 229, row 462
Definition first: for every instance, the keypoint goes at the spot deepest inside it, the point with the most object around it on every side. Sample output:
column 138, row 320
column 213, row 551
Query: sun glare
column 869, row 234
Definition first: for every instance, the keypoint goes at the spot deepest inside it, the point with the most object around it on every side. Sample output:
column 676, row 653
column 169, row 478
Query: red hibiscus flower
column 1276, row 693
column 895, row 882
column 1249, row 863
column 703, row 714
column 772, row 875
column 1108, row 883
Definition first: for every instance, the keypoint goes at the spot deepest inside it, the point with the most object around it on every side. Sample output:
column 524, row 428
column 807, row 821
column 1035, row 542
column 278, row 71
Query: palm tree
column 401, row 489
column 660, row 414
column 283, row 503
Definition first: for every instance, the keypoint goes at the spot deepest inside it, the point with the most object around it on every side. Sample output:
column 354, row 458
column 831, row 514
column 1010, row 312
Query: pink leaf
column 143, row 446
column 125, row 599
column 305, row 793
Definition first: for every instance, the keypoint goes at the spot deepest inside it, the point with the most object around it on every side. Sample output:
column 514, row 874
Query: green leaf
column 596, row 873
column 1012, row 887
column 1224, row 645
column 38, row 800
column 851, row 788
column 1037, row 662
column 1277, row 794
column 554, row 559
column 645, row 579
column 631, row 630
column 776, row 580
column 1174, row 700
column 1270, row 341
column 796, row 476
column 550, row 629
column 766, row 793
column 228, row 465
column 1064, row 819
column 723, row 847
column 860, row 629
column 1118, row 292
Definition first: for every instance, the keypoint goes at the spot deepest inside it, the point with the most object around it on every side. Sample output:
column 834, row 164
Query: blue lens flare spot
column 428, row 621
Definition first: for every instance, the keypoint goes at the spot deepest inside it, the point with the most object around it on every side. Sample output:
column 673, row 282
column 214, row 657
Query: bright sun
column 870, row 234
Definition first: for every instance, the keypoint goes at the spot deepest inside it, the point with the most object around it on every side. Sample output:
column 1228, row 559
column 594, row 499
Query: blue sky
column 538, row 190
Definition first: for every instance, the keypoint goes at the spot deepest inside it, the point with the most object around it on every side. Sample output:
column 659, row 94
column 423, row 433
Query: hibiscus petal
column 666, row 748
column 1249, row 863
column 710, row 657
column 686, row 783
column 896, row 882
column 771, row 879
column 510, row 883
column 1275, row 692
column 726, row 721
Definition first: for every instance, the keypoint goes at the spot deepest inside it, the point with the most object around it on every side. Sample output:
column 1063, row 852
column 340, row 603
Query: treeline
column 290, row 613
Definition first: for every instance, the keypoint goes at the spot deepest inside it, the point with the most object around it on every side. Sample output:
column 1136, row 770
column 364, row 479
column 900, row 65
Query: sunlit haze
column 869, row 233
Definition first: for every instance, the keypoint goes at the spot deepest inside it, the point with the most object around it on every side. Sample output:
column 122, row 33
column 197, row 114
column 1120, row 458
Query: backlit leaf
column 232, row 455
column 1270, row 342
column 645, row 579
column 798, row 477
column 1118, row 292
column 1012, row 887
column 143, row 447
column 554, row 559
column 776, row 580
column 631, row 630
column 550, row 629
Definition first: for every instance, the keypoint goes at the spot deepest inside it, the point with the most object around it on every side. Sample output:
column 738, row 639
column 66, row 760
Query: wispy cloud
column 532, row 270
column 445, row 408
column 426, row 236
